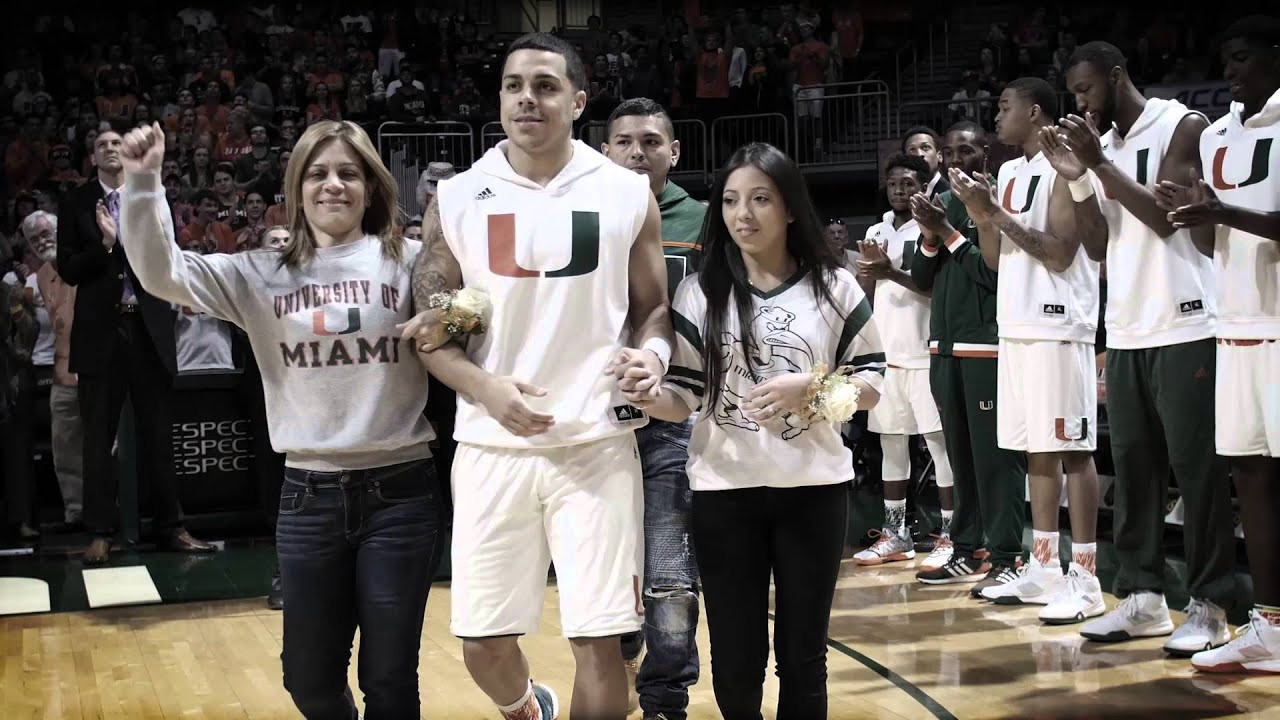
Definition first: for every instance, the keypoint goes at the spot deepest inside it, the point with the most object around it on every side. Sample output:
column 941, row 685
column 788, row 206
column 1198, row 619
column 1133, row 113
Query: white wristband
column 1081, row 188
column 662, row 349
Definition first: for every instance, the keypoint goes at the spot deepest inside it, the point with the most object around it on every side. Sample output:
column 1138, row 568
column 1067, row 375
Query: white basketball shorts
column 906, row 404
column 1247, row 398
column 515, row 511
column 1046, row 396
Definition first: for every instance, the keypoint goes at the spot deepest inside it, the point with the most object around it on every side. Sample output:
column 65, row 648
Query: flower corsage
column 833, row 396
column 462, row 312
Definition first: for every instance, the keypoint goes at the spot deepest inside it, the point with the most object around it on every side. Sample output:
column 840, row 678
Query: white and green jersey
column 791, row 332
column 1160, row 290
column 902, row 315
column 1238, row 158
column 1032, row 301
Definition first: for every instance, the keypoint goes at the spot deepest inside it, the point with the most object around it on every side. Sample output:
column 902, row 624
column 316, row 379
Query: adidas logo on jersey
column 1191, row 306
column 1223, row 131
column 627, row 413
column 1052, row 309
column 485, row 194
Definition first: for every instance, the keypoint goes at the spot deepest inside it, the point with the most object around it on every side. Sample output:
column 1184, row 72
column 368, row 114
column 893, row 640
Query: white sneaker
column 1079, row 599
column 1142, row 614
column 1204, row 629
column 941, row 554
column 1036, row 584
column 891, row 547
column 1255, row 649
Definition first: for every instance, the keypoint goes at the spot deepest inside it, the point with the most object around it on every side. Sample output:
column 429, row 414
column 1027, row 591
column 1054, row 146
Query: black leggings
column 742, row 537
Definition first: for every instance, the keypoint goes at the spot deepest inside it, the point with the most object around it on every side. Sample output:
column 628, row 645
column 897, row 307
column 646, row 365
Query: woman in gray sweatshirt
column 358, row 535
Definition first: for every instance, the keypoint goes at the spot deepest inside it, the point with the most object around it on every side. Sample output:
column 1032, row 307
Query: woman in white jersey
column 358, row 530
column 771, row 302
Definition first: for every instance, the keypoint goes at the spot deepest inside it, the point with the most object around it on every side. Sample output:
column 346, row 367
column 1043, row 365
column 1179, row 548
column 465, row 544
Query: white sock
column 1085, row 556
column 947, row 515
column 526, row 708
column 1044, row 549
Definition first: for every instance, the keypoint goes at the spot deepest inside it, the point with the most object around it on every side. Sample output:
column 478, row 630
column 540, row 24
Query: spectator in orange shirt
column 235, row 142
column 62, row 173
column 809, row 60
column 278, row 213
column 847, row 36
column 26, row 157
column 713, row 76
column 174, row 191
column 325, row 106
column 115, row 100
column 255, row 208
column 205, row 234
column 213, row 112
column 322, row 73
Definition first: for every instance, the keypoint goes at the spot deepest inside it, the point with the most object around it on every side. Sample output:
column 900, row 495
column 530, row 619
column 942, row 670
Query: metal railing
column 839, row 128
column 695, row 155
column 941, row 114
column 490, row 135
column 407, row 149
column 901, row 65
column 731, row 132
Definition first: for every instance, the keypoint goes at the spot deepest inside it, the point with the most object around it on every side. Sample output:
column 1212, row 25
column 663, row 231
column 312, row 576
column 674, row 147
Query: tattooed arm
column 437, row 270
column 1056, row 247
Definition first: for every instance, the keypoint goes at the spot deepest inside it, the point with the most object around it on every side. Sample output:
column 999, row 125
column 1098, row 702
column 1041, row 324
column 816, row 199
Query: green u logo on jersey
column 584, row 242
column 1258, row 171
column 1007, row 201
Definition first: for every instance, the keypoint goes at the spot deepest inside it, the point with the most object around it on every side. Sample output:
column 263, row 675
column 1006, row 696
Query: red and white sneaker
column 889, row 547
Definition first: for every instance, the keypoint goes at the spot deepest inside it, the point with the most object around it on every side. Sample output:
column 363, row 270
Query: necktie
column 127, row 294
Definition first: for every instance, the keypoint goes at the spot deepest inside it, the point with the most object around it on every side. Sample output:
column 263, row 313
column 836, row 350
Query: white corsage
column 833, row 396
column 463, row 312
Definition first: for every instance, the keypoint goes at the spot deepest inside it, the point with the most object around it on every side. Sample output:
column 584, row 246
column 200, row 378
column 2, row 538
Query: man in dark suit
column 122, row 344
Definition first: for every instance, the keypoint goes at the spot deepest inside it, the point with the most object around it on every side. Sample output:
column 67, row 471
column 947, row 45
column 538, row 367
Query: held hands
column 1189, row 206
column 106, row 224
column 874, row 262
column 776, row 397
column 1059, row 155
column 977, row 193
column 142, row 149
column 639, row 374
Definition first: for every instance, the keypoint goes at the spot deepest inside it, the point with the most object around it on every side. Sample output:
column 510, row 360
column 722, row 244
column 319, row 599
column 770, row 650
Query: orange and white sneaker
column 942, row 551
column 889, row 547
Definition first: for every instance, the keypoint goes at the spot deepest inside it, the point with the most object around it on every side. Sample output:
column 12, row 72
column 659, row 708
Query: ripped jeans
column 670, row 575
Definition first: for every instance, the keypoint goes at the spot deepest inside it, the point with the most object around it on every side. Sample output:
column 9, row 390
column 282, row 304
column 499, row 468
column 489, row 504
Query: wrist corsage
column 833, row 396
column 463, row 312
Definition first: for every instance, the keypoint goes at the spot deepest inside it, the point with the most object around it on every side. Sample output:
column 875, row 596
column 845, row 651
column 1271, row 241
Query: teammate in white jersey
column 769, row 305
column 567, row 246
column 1047, row 311
column 1242, row 152
column 901, row 312
column 1160, row 356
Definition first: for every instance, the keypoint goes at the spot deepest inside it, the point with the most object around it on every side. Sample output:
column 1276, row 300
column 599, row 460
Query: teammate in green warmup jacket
column 989, row 481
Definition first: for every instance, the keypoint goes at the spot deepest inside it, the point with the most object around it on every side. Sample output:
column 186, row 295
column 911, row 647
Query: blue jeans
column 357, row 548
column 670, row 575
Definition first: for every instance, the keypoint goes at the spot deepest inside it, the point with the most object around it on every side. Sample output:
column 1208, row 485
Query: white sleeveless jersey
column 554, row 262
column 1160, row 290
column 1242, row 164
column 902, row 316
column 1032, row 301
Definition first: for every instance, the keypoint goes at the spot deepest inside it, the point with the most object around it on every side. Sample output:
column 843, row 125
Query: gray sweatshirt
column 342, row 391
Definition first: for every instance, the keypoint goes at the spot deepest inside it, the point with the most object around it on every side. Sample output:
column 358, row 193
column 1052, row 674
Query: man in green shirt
column 640, row 138
column 989, row 481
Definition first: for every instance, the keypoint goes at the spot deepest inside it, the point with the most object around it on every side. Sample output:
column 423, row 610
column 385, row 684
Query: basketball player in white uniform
column 901, row 312
column 1160, row 348
column 1241, row 155
column 1047, row 311
column 568, row 247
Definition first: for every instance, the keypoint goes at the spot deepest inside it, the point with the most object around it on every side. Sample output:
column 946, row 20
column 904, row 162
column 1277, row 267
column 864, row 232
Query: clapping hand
column 1059, row 154
column 1189, row 206
column 977, row 193
column 874, row 263
column 931, row 217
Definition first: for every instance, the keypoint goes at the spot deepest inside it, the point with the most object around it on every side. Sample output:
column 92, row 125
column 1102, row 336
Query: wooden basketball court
column 898, row 650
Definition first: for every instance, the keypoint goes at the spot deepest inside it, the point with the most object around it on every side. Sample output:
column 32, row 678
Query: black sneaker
column 275, row 598
column 999, row 575
column 959, row 569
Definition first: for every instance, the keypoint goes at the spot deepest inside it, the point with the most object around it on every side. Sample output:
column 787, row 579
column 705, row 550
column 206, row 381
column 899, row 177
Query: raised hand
column 106, row 224
column 1059, row 155
column 142, row 149
column 1082, row 140
column 874, row 262
column 977, row 194
column 931, row 217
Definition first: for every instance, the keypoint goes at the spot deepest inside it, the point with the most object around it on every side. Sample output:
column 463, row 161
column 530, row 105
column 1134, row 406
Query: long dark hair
column 723, row 275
